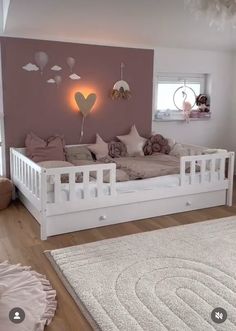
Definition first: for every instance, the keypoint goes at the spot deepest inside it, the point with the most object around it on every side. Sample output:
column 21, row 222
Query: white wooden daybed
column 73, row 206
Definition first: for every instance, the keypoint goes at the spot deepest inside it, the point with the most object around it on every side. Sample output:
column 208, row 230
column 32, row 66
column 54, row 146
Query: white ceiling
column 135, row 23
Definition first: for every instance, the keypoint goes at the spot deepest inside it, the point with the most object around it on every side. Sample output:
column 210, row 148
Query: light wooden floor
column 19, row 243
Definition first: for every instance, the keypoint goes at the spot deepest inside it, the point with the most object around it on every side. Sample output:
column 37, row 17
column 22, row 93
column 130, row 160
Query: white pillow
column 134, row 142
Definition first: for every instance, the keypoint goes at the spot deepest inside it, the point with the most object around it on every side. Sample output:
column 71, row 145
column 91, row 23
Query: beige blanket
column 138, row 167
column 155, row 165
column 141, row 167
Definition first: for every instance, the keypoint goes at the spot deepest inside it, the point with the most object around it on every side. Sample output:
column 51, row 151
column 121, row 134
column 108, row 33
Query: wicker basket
column 5, row 192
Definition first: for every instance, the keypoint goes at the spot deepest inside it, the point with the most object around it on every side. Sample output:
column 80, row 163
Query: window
column 166, row 86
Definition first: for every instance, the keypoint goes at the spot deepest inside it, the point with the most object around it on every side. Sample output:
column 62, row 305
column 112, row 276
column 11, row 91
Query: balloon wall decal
column 58, row 80
column 71, row 63
column 41, row 59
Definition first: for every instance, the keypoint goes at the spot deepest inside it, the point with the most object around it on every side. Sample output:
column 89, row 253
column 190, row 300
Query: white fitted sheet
column 128, row 187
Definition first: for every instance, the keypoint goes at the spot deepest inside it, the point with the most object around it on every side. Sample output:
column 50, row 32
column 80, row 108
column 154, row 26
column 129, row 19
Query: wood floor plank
column 20, row 243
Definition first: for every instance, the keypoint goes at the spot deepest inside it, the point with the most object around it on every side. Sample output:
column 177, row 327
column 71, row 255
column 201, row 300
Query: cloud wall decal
column 30, row 67
column 74, row 77
column 51, row 81
column 56, row 68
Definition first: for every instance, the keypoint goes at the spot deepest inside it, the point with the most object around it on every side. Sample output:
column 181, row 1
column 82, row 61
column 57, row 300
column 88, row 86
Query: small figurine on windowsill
column 203, row 103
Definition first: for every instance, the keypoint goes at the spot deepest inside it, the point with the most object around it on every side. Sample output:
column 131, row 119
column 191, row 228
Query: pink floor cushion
column 20, row 287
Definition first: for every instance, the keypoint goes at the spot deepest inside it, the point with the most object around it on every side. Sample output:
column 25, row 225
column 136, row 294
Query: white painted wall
column 215, row 132
column 232, row 119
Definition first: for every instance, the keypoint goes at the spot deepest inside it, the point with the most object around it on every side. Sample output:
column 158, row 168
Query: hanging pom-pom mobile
column 121, row 89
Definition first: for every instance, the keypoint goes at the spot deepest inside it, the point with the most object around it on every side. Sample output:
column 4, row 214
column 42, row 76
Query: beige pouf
column 5, row 192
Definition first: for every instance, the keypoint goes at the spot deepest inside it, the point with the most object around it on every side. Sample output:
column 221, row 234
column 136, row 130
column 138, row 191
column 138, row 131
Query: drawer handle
column 103, row 218
column 188, row 203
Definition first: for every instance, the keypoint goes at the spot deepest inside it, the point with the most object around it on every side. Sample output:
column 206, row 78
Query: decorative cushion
column 100, row 149
column 117, row 149
column 133, row 142
column 40, row 150
column 5, row 192
column 74, row 153
column 156, row 144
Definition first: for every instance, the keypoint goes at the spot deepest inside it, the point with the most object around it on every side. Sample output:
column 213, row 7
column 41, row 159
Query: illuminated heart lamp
column 85, row 106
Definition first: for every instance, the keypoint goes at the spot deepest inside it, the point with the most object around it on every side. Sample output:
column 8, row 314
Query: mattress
column 127, row 187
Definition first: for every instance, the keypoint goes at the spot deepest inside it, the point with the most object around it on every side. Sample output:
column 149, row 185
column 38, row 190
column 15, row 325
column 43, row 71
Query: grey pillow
column 75, row 153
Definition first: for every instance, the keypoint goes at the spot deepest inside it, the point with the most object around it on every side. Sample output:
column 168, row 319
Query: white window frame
column 168, row 78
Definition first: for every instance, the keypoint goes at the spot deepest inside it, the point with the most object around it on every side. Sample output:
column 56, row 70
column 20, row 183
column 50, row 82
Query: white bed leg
column 43, row 236
column 229, row 200
column 43, row 228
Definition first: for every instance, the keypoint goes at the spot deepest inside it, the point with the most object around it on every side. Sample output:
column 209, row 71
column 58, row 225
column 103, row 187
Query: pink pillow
column 40, row 150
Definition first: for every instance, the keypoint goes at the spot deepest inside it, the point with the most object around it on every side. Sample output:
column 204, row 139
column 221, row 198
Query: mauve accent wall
column 31, row 104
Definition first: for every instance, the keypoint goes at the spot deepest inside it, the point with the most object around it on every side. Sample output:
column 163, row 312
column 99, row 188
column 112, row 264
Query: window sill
column 181, row 119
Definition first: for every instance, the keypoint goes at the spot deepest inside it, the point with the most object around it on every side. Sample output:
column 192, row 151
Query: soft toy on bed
column 156, row 144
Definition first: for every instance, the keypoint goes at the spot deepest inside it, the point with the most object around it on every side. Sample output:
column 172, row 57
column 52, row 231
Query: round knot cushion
column 5, row 192
column 156, row 144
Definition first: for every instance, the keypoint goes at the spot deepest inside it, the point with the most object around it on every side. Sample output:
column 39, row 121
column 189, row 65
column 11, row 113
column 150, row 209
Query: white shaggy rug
column 168, row 279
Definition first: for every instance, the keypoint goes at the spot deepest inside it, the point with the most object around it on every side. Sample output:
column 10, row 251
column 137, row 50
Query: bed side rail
column 26, row 176
column 210, row 168
column 84, row 174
